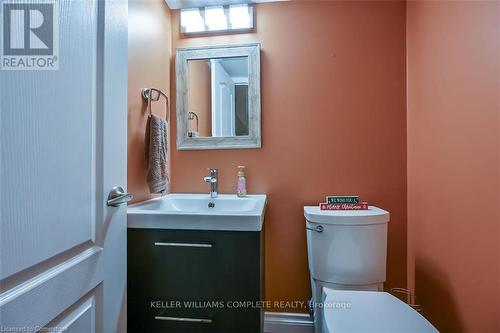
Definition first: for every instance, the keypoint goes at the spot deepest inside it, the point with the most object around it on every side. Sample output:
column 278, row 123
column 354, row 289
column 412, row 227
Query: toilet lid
column 370, row 311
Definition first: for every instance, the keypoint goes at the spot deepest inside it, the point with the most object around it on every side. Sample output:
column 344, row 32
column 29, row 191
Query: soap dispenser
column 241, row 189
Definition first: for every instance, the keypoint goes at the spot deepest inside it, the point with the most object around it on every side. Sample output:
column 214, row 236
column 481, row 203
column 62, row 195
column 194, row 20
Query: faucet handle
column 213, row 172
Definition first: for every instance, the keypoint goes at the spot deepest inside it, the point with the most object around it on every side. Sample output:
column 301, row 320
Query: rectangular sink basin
column 199, row 212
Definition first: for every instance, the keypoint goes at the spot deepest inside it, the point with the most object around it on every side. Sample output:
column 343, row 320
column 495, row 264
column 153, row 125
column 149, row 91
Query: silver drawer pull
column 183, row 244
column 189, row 320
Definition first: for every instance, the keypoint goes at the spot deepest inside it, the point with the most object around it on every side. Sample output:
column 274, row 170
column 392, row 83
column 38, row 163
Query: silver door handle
column 118, row 196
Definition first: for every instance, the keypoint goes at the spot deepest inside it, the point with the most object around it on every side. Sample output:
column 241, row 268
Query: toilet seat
column 369, row 311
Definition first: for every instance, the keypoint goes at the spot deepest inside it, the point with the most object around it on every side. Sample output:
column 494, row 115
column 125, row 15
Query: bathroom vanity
column 195, row 268
column 196, row 261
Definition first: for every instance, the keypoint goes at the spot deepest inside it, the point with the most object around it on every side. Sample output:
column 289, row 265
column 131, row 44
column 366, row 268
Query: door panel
column 81, row 318
column 63, row 148
column 48, row 182
column 48, row 294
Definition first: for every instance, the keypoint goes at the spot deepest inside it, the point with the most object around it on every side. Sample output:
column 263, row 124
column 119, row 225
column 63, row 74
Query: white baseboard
column 287, row 322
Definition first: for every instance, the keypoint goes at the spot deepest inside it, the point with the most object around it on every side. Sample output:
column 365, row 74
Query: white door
column 63, row 148
column 222, row 101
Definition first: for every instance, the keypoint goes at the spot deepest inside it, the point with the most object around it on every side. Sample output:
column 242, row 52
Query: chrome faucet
column 212, row 180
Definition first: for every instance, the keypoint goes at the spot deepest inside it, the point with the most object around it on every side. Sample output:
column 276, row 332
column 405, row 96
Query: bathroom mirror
column 218, row 97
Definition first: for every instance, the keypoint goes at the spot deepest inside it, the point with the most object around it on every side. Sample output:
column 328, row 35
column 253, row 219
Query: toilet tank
column 347, row 247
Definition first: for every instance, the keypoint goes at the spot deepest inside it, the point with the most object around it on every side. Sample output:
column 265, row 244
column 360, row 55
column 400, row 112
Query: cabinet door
column 203, row 277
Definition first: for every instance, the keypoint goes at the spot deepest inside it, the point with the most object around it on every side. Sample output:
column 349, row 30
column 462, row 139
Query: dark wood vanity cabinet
column 195, row 281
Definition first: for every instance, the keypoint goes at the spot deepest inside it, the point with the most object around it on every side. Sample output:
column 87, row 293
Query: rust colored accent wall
column 200, row 97
column 453, row 162
column 149, row 47
column 333, row 122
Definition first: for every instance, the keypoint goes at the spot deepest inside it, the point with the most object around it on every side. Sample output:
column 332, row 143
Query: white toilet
column 347, row 251
column 370, row 311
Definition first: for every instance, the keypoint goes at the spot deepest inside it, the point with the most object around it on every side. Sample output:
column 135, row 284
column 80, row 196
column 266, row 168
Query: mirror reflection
column 218, row 97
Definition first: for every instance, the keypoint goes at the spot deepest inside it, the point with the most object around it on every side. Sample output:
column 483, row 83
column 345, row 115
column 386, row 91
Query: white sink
column 199, row 212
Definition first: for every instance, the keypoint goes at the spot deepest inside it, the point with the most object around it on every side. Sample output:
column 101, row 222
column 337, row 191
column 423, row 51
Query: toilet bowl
column 369, row 311
column 346, row 251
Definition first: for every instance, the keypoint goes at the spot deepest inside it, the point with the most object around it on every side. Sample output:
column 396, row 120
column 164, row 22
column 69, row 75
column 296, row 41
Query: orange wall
column 453, row 162
column 200, row 96
column 149, row 47
column 333, row 122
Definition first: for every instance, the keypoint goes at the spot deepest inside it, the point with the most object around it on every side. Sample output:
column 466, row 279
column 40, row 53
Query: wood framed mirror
column 218, row 97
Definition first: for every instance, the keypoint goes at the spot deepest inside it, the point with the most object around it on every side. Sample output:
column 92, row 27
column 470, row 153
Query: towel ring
column 153, row 95
column 194, row 116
